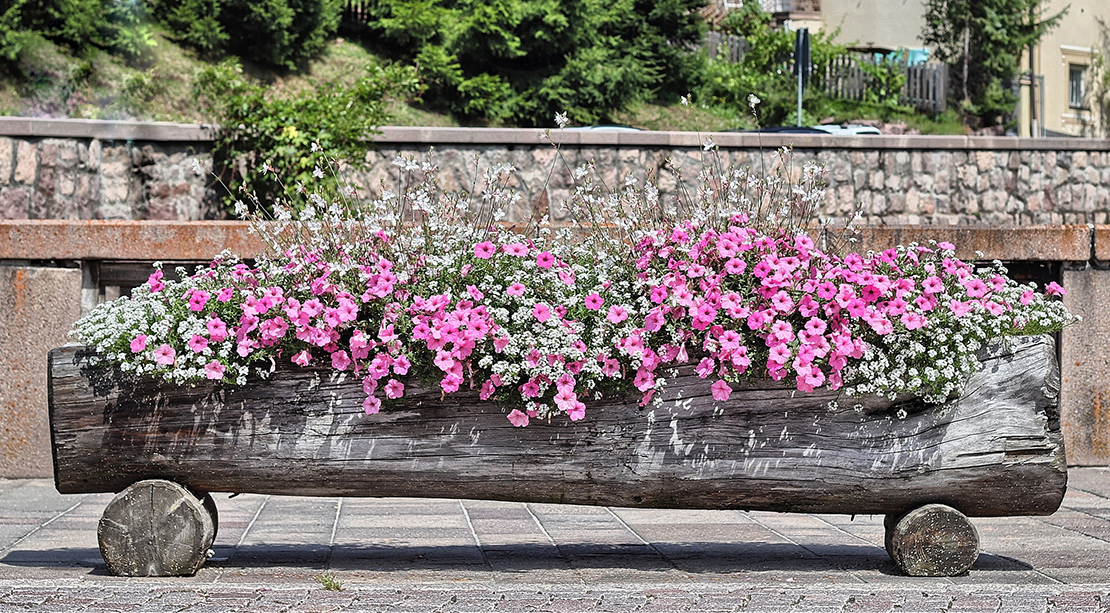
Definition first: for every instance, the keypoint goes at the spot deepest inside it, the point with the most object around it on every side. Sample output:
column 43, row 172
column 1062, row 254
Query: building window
column 1077, row 86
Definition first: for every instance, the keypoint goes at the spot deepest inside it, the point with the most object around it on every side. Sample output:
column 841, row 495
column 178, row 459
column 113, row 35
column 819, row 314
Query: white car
column 851, row 129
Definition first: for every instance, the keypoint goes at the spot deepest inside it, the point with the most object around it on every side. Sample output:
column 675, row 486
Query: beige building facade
column 1066, row 58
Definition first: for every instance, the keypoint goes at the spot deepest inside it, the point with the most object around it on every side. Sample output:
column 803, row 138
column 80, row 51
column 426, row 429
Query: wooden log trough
column 996, row 450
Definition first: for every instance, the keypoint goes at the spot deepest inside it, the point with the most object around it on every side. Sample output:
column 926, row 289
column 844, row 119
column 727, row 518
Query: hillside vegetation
column 153, row 63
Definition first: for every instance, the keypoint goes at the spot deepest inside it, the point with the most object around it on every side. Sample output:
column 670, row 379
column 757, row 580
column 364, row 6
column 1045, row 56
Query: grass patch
column 329, row 582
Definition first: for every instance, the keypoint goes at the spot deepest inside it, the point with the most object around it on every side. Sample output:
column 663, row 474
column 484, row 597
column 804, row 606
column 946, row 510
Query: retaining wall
column 79, row 169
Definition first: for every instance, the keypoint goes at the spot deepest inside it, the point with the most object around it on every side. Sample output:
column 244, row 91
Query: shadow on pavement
column 695, row 558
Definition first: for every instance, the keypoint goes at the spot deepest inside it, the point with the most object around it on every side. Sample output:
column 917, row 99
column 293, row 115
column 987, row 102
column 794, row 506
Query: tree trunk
column 996, row 450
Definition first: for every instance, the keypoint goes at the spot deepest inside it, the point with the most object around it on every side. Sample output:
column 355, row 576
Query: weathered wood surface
column 995, row 451
column 933, row 541
column 155, row 528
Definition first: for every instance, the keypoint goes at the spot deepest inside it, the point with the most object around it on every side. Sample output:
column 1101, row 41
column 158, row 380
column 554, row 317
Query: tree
column 280, row 33
column 521, row 61
column 982, row 41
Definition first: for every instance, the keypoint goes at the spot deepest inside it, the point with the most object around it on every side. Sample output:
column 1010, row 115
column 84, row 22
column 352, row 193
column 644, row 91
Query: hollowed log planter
column 994, row 451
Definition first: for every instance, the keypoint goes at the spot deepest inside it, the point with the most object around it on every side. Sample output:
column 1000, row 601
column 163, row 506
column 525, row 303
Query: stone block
column 39, row 305
column 1085, row 369
column 984, row 160
column 14, row 202
column 26, row 162
column 7, row 153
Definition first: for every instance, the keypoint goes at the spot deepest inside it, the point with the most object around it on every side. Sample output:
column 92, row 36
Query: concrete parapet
column 39, row 306
column 1085, row 368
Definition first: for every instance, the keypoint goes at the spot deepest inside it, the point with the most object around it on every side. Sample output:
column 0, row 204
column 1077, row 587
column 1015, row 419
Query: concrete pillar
column 37, row 308
column 1085, row 368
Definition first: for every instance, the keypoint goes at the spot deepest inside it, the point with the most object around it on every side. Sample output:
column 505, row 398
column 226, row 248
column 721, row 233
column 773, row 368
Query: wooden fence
column 724, row 47
column 925, row 88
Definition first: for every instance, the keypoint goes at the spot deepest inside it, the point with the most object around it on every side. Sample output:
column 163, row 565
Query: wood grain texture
column 933, row 541
column 155, row 528
column 996, row 450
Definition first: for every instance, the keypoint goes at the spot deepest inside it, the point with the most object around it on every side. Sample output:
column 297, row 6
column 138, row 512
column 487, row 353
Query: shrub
column 765, row 69
column 261, row 135
column 522, row 61
column 281, row 33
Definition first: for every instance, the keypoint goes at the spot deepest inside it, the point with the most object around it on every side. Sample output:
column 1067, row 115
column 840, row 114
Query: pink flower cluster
column 783, row 306
column 730, row 302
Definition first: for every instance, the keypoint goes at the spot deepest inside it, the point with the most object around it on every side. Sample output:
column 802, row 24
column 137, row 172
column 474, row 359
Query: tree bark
column 995, row 450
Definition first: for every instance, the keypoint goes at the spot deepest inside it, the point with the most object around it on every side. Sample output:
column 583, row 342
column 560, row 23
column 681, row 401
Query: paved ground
column 277, row 553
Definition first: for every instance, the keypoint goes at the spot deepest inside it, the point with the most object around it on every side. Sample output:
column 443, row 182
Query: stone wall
column 52, row 172
column 905, row 180
column 72, row 169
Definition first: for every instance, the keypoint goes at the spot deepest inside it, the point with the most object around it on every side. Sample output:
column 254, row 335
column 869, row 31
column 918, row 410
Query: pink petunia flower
column 394, row 389
column 1054, row 289
column 484, row 250
column 371, row 405
column 721, row 390
column 138, row 343
column 214, row 370
column 515, row 249
column 197, row 300
column 217, row 329
column 155, row 281
column 518, row 419
column 577, row 412
column 617, row 314
column 165, row 355
column 225, row 294
column 594, row 301
column 541, row 312
column 340, row 360
column 198, row 343
column 545, row 259
column 959, row 309
column 302, row 358
column 516, row 289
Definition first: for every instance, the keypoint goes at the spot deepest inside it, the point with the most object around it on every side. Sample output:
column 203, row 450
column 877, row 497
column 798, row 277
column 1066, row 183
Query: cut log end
column 155, row 528
column 933, row 541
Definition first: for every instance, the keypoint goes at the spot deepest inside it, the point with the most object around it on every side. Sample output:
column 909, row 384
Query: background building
column 1059, row 74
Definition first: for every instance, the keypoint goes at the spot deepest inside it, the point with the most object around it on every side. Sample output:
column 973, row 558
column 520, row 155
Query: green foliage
column 193, row 22
column 281, row 133
column 126, row 28
column 886, row 79
column 982, row 41
column 71, row 22
column 281, row 33
column 765, row 70
column 122, row 26
column 521, row 61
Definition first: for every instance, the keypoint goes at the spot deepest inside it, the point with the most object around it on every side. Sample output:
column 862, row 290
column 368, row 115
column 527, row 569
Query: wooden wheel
column 155, row 528
column 933, row 541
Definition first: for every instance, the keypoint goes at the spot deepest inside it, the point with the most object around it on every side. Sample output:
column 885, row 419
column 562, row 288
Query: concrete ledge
column 158, row 131
column 396, row 135
column 1102, row 243
column 200, row 240
column 1031, row 243
column 124, row 240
